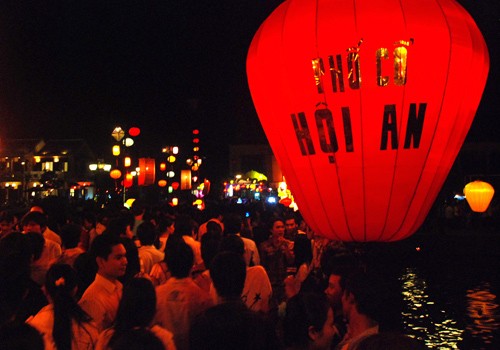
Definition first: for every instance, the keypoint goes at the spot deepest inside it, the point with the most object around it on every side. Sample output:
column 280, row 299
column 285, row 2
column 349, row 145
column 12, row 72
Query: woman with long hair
column 63, row 323
column 136, row 311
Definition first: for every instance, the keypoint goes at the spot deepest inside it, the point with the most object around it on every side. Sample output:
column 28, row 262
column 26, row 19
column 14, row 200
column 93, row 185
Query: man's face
column 290, row 225
column 278, row 229
column 334, row 291
column 32, row 226
column 116, row 263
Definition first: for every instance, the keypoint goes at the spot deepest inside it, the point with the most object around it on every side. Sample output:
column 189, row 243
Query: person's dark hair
column 138, row 207
column 210, row 243
column 303, row 311
column 133, row 260
column 60, row 284
column 146, row 232
column 70, row 235
column 90, row 217
column 86, row 268
column 34, row 216
column 138, row 339
column 272, row 220
column 214, row 227
column 184, row 225
column 389, row 341
column 137, row 308
column 232, row 223
column 302, row 250
column 232, row 243
column 163, row 223
column 20, row 336
column 6, row 216
column 36, row 243
column 338, row 262
column 368, row 291
column 15, row 258
column 228, row 272
column 117, row 226
column 103, row 244
column 179, row 257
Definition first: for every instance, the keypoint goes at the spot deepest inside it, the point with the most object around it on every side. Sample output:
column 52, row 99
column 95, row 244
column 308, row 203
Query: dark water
column 449, row 288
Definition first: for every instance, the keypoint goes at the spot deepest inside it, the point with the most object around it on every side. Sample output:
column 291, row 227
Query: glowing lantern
column 128, row 142
column 115, row 174
column 185, row 179
column 196, row 132
column 163, row 166
column 478, row 194
column 175, row 185
column 134, row 131
column 162, row 183
column 171, row 159
column 116, row 150
column 128, row 181
column 175, row 201
column 146, row 172
column 366, row 105
column 118, row 133
column 127, row 161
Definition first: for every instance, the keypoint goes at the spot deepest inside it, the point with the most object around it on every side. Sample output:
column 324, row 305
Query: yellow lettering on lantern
column 353, row 67
column 319, row 70
column 400, row 61
column 382, row 53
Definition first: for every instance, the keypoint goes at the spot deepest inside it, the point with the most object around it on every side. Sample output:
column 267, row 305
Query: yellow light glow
column 116, row 150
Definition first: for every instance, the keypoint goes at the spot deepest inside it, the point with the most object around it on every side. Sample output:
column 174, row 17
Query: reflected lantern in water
column 479, row 195
column 365, row 105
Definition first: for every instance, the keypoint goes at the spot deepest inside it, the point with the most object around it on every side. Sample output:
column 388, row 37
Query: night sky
column 75, row 69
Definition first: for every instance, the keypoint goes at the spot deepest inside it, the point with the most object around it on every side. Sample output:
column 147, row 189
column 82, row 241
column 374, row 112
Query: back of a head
column 146, row 232
column 302, row 249
column 117, row 226
column 232, row 243
column 138, row 305
column 34, row 216
column 184, row 225
column 210, row 243
column 179, row 257
column 70, row 235
column 232, row 223
column 303, row 311
column 369, row 292
column 228, row 273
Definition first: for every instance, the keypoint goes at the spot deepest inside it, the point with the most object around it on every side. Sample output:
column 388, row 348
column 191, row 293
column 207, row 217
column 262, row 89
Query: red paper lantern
column 366, row 105
column 146, row 171
column 175, row 185
column 128, row 181
column 134, row 131
column 479, row 195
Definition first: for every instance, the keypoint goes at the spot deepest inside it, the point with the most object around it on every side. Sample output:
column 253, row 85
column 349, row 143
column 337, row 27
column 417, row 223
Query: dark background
column 76, row 69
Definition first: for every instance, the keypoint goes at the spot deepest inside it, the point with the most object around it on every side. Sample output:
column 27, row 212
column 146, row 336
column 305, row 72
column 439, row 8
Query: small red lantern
column 479, row 195
column 128, row 181
column 115, row 174
column 286, row 201
column 175, row 185
column 134, row 131
column 365, row 105
column 163, row 166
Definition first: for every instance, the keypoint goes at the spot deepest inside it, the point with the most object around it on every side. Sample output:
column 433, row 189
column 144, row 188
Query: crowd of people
column 162, row 277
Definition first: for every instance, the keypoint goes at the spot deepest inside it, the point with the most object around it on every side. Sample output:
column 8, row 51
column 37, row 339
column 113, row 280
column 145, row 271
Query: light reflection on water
column 420, row 317
column 483, row 311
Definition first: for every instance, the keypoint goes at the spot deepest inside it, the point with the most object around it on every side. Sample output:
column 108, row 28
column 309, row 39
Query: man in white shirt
column 148, row 253
column 102, row 297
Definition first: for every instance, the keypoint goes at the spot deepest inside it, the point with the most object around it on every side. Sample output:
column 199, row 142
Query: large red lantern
column 366, row 105
column 479, row 195
column 146, row 171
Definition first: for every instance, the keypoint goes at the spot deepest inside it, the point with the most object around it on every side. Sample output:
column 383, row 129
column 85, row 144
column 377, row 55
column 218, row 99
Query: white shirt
column 101, row 300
